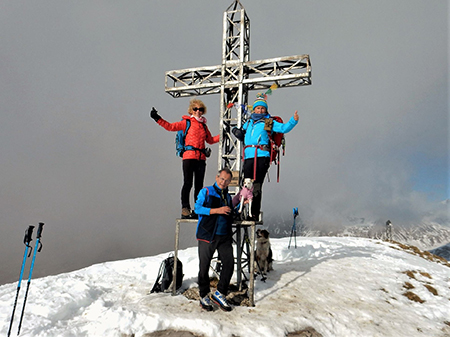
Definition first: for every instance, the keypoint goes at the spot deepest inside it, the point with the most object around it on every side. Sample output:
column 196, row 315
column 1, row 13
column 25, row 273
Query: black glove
column 238, row 133
column 154, row 115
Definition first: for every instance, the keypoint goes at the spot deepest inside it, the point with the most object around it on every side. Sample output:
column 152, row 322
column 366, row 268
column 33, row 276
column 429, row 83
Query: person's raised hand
column 154, row 114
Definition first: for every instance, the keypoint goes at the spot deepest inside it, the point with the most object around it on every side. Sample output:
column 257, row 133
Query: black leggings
column 191, row 168
column 262, row 166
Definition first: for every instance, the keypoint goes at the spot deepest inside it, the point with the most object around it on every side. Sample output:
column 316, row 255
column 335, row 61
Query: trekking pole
column 39, row 248
column 26, row 240
column 294, row 229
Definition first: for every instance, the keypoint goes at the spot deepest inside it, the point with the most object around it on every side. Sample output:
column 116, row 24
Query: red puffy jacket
column 196, row 136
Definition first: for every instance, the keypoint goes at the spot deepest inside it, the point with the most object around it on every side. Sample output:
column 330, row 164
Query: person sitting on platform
column 214, row 232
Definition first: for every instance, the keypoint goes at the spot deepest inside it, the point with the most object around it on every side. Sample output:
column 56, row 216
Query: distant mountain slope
column 426, row 235
column 443, row 251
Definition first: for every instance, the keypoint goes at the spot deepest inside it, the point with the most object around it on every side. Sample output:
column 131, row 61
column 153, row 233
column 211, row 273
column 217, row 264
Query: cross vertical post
column 234, row 78
column 235, row 52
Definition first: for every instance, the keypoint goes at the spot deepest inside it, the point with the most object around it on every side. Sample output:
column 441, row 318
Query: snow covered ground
column 339, row 286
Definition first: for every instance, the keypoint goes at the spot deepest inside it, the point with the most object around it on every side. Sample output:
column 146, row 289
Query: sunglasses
column 199, row 109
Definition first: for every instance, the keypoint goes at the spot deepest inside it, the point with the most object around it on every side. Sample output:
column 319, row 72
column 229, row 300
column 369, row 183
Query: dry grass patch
column 423, row 254
column 413, row 297
column 408, row 286
column 425, row 274
column 410, row 274
column 235, row 296
column 308, row 332
column 169, row 333
column 431, row 289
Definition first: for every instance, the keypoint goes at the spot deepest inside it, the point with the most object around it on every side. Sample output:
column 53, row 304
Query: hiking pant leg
column 248, row 168
column 199, row 174
column 188, row 176
column 205, row 254
column 225, row 249
column 262, row 166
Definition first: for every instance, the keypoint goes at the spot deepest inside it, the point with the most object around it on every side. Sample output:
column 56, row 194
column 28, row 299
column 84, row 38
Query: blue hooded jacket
column 256, row 135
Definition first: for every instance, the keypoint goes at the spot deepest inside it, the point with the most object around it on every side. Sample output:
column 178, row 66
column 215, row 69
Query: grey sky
column 80, row 153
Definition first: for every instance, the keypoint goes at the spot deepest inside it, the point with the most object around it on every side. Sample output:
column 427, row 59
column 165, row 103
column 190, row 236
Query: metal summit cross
column 234, row 78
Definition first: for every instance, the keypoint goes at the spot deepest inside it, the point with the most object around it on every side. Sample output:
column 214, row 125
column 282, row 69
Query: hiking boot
column 186, row 213
column 221, row 301
column 206, row 303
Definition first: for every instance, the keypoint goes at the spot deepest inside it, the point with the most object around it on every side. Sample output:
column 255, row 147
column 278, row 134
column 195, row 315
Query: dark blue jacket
column 209, row 197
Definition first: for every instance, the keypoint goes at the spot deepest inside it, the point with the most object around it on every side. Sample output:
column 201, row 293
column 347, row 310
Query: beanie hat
column 261, row 100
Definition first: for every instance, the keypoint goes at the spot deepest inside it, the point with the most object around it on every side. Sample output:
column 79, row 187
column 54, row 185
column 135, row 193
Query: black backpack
column 165, row 275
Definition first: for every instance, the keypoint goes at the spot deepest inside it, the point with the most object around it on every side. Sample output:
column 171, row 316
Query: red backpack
column 277, row 142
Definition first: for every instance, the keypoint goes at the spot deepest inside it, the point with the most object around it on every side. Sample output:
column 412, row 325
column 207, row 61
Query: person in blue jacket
column 214, row 232
column 255, row 135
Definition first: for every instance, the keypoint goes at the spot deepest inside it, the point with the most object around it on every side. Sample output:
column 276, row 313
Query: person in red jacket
column 194, row 158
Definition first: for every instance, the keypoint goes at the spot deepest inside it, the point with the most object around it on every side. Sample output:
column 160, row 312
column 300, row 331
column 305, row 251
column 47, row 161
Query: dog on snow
column 245, row 197
column 263, row 251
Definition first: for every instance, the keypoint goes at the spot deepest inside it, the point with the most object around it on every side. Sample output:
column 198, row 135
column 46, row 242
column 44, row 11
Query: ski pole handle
column 28, row 234
column 40, row 229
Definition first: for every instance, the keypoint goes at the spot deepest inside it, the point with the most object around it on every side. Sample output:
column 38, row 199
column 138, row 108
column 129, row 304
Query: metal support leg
column 239, row 247
column 248, row 241
column 251, row 286
column 175, row 262
column 246, row 249
column 239, row 256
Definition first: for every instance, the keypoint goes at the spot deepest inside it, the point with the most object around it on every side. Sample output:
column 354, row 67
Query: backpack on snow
column 164, row 279
column 180, row 142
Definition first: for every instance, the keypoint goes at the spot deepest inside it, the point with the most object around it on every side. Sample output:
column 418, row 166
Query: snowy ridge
column 426, row 236
column 431, row 230
column 338, row 286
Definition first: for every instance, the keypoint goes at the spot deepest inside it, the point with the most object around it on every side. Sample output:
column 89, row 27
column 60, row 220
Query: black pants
column 223, row 244
column 192, row 168
column 262, row 166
